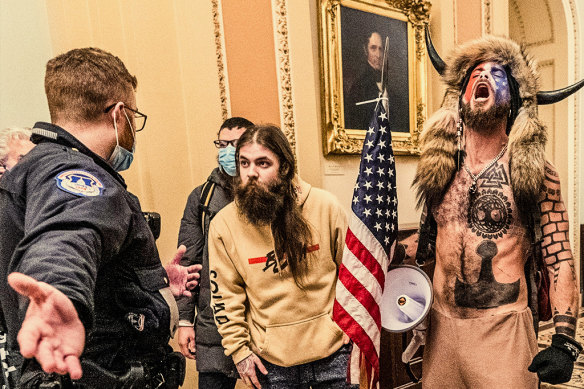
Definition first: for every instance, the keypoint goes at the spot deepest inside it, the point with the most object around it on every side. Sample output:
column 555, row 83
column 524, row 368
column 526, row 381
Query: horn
column 551, row 97
column 438, row 63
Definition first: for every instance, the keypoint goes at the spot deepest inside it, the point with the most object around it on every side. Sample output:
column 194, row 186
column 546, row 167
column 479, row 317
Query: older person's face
column 375, row 51
column 17, row 148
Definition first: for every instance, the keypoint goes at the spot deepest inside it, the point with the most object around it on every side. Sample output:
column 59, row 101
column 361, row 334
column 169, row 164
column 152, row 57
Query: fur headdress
column 527, row 137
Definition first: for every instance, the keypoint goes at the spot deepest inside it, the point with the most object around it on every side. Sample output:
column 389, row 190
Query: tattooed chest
column 488, row 213
column 487, row 234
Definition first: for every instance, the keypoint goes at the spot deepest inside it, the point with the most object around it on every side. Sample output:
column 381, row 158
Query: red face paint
column 488, row 78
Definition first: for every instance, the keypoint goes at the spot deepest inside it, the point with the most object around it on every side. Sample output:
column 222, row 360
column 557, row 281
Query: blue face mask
column 227, row 160
column 121, row 159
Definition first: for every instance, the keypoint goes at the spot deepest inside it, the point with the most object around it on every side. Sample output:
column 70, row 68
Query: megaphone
column 406, row 299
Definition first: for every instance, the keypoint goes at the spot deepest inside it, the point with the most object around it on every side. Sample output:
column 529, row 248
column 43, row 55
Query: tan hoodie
column 258, row 307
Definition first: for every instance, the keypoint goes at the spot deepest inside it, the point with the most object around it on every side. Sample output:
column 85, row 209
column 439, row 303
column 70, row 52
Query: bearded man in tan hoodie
column 274, row 255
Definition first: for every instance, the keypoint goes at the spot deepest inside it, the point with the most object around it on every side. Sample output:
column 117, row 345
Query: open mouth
column 482, row 92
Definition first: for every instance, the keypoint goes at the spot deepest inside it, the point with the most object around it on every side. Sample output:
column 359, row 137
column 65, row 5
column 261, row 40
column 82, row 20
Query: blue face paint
column 487, row 78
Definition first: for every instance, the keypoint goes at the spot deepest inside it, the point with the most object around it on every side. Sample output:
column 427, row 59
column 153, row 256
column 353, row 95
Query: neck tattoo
column 473, row 188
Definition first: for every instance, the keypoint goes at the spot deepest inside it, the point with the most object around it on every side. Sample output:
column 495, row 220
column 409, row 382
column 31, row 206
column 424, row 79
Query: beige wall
column 24, row 50
column 251, row 60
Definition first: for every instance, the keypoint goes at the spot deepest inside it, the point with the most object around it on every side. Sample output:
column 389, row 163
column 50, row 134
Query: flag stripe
column 368, row 240
column 359, row 271
column 360, row 296
column 365, row 257
column 361, row 319
column 360, row 337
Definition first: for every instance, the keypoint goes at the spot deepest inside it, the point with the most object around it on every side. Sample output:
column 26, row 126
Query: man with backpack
column 197, row 333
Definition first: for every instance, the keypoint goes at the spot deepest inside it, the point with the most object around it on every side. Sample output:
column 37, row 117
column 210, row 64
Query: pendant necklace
column 473, row 188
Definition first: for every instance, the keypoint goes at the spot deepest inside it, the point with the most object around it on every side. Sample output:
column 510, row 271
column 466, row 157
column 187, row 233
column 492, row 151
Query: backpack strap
column 206, row 194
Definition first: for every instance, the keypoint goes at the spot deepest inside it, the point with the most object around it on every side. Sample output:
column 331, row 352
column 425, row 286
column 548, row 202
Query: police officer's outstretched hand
column 51, row 331
column 182, row 279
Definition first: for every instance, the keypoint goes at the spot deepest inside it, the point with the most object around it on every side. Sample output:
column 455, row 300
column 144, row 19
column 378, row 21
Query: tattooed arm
column 555, row 364
column 558, row 255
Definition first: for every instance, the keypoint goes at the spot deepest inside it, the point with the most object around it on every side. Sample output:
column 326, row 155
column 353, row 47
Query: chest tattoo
column 495, row 177
column 486, row 292
column 490, row 214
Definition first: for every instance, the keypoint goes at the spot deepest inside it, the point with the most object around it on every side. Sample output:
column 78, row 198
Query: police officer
column 75, row 241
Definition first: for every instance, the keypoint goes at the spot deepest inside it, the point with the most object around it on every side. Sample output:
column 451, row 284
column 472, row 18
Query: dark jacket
column 365, row 88
column 210, row 352
column 68, row 220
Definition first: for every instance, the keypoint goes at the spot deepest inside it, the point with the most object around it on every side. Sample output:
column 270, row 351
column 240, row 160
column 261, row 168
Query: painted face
column 488, row 86
column 375, row 51
column 257, row 162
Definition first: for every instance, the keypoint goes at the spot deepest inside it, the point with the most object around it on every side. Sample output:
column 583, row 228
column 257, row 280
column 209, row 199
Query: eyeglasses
column 221, row 144
column 139, row 117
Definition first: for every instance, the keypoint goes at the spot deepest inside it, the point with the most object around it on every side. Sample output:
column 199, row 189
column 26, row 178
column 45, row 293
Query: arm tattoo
column 565, row 324
column 555, row 227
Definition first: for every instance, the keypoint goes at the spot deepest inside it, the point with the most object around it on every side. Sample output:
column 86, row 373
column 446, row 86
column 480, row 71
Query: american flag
column 368, row 249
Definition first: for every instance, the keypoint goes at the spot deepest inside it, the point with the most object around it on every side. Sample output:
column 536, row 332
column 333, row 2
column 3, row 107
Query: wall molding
column 575, row 219
column 285, row 96
column 221, row 59
column 551, row 39
column 487, row 12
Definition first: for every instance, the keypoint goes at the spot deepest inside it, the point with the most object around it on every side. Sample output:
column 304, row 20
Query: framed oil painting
column 353, row 37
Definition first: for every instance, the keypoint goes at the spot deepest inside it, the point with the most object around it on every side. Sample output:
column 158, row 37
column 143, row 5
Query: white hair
column 7, row 134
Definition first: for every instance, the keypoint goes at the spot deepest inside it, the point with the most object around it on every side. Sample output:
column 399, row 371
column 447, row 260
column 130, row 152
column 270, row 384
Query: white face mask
column 121, row 159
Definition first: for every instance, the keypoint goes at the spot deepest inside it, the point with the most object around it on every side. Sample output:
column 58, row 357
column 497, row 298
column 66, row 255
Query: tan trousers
column 487, row 352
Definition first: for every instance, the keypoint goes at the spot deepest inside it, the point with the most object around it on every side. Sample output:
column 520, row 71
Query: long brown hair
column 290, row 230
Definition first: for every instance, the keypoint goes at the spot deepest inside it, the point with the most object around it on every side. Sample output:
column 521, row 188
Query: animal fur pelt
column 527, row 137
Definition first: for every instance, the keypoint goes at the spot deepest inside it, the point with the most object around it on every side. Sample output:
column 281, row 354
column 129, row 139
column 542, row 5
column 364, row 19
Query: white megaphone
column 406, row 299
column 405, row 303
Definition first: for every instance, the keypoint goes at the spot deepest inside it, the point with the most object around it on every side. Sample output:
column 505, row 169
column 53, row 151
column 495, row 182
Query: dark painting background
column 356, row 26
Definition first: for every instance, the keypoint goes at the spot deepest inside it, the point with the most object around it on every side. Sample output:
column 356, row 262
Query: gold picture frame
column 347, row 39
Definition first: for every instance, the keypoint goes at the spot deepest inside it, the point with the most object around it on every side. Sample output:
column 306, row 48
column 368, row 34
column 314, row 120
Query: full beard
column 258, row 203
column 484, row 121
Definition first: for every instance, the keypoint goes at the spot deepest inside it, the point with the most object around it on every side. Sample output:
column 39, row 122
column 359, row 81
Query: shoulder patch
column 79, row 183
